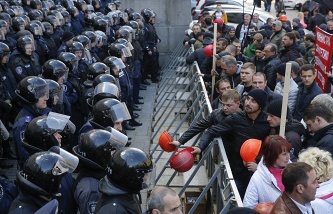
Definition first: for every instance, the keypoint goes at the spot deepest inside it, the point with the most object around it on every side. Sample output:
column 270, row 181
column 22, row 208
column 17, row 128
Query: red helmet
column 283, row 18
column 164, row 141
column 264, row 207
column 208, row 50
column 183, row 160
column 219, row 21
column 250, row 149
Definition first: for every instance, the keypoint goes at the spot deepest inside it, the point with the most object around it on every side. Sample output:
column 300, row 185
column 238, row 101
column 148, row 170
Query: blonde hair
column 258, row 37
column 300, row 15
column 320, row 160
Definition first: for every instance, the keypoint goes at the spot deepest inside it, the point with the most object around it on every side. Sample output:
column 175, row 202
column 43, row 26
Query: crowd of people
column 250, row 71
column 71, row 77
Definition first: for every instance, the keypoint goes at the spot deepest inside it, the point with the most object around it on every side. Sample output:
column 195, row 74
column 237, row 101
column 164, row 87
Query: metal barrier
column 182, row 93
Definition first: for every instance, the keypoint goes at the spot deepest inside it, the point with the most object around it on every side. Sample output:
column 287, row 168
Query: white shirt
column 307, row 209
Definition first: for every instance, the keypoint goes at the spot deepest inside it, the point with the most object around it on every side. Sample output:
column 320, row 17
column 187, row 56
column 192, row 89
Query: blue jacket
column 76, row 26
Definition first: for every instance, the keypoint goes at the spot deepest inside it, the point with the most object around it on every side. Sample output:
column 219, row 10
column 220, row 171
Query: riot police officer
column 39, row 181
column 33, row 92
column 25, row 63
column 129, row 171
column 94, row 151
column 47, row 133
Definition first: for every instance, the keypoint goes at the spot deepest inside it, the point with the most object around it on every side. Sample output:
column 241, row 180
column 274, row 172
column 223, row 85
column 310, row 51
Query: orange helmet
column 264, row 207
column 164, row 141
column 183, row 160
column 250, row 150
column 283, row 18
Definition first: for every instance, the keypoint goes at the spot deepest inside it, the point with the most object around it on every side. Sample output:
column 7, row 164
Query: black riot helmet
column 18, row 24
column 6, row 17
column 73, row 11
column 129, row 11
column 35, row 15
column 48, row 28
column 135, row 25
column 39, row 135
column 119, row 50
column 31, row 88
column 76, row 46
column 69, row 59
column 42, row 173
column 81, row 5
column 125, row 32
column 54, row 69
column 104, row 78
column 95, row 69
column 91, row 35
column 53, row 20
column 36, row 4
column 102, row 91
column 108, row 111
column 102, row 25
column 95, row 147
column 55, row 92
column 4, row 5
column 147, row 14
column 101, row 37
column 67, row 3
column 35, row 29
column 22, row 43
column 89, row 19
column 131, row 169
column 4, row 50
column 11, row 12
column 85, row 41
column 135, row 16
column 114, row 63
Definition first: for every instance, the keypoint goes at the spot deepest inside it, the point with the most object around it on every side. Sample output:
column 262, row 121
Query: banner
column 323, row 57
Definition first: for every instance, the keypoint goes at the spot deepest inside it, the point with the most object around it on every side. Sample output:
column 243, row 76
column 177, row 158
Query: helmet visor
column 149, row 177
column 18, row 11
column 37, row 31
column 106, row 89
column 2, row 35
column 58, row 95
column 68, row 164
column 118, row 140
column 57, row 121
column 41, row 91
column 126, row 52
column 60, row 18
column 119, row 112
column 119, row 63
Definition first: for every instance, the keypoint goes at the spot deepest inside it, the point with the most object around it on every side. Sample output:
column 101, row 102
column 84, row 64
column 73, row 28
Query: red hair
column 273, row 146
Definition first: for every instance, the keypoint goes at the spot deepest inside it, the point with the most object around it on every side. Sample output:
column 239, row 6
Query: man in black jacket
column 250, row 123
column 316, row 20
column 291, row 50
column 230, row 104
column 272, row 61
column 319, row 120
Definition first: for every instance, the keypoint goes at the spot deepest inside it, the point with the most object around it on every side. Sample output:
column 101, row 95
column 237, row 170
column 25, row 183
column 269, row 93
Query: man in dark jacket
column 230, row 104
column 272, row 61
column 250, row 123
column 319, row 120
column 198, row 55
column 294, row 129
column 291, row 50
column 316, row 20
column 308, row 89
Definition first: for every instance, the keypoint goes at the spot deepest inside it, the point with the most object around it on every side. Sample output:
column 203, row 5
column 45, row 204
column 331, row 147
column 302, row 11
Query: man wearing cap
column 294, row 129
column 298, row 27
column 259, row 82
column 293, row 87
column 67, row 39
column 291, row 51
column 250, row 123
column 307, row 90
column 278, row 33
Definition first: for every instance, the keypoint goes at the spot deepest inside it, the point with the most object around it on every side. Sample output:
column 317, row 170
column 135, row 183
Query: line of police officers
column 87, row 60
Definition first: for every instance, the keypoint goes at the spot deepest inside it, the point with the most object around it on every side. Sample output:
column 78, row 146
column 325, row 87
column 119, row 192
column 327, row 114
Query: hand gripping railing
column 181, row 91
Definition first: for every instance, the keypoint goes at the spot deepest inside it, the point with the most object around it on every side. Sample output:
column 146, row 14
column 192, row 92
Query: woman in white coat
column 266, row 183
column 321, row 161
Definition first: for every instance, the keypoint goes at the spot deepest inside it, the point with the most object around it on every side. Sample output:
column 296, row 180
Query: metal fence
column 181, row 100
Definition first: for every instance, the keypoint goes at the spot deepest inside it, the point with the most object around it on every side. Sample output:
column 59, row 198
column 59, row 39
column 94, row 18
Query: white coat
column 262, row 187
column 325, row 205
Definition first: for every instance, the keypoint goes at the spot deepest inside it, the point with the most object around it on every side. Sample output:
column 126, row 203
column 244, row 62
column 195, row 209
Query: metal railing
column 182, row 92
